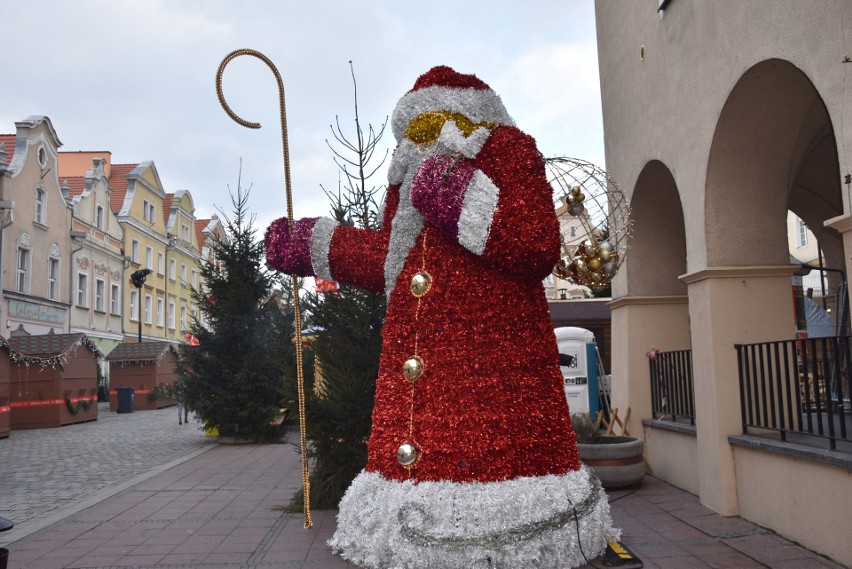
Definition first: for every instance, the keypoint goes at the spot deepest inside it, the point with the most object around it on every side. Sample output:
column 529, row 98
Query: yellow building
column 137, row 200
column 181, row 260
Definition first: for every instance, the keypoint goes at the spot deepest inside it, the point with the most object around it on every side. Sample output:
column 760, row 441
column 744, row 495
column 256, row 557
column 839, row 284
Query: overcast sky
column 137, row 78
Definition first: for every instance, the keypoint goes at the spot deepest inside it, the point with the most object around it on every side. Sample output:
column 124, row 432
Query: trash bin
column 5, row 525
column 125, row 399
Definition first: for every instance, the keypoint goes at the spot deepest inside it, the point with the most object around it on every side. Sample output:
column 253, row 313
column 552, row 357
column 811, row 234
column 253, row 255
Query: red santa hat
column 444, row 89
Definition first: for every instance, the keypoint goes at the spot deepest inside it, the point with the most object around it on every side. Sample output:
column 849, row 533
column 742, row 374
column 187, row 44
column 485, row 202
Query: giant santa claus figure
column 472, row 461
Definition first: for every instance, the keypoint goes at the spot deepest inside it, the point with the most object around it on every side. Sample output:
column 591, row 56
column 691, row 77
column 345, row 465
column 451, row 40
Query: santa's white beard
column 452, row 142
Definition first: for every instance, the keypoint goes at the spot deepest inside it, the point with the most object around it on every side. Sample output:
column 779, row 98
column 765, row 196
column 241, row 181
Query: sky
column 137, row 78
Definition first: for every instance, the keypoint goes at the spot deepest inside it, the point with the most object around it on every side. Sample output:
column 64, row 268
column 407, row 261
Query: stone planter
column 616, row 460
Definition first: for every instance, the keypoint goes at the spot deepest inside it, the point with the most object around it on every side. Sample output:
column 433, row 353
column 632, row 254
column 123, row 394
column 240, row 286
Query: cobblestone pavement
column 138, row 490
column 48, row 474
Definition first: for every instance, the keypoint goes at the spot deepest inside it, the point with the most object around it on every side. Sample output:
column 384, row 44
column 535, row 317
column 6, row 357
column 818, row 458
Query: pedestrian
column 183, row 410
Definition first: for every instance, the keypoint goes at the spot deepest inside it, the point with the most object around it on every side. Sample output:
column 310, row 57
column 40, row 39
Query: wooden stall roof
column 48, row 346
column 141, row 353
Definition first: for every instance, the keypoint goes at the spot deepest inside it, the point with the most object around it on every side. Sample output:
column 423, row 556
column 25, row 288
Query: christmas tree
column 346, row 325
column 234, row 376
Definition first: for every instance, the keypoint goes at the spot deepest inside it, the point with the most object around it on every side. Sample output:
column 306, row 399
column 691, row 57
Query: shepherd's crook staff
column 300, row 379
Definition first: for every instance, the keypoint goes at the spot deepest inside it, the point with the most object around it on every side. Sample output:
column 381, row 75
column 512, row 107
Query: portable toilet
column 579, row 369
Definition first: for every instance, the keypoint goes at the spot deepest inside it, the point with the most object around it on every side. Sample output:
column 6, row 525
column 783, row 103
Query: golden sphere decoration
column 594, row 253
column 412, row 369
column 406, row 454
column 421, row 283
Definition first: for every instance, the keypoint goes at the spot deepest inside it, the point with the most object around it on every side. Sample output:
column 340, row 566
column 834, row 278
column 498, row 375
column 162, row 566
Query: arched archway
column 657, row 255
column 773, row 149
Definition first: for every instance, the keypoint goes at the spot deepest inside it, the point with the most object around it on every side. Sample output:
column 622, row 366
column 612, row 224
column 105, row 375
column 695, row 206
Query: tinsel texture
column 288, row 249
column 437, row 190
column 524, row 522
column 472, row 461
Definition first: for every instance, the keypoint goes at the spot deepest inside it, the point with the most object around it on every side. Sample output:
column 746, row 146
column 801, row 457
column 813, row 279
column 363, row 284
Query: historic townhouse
column 137, row 201
column 37, row 239
column 182, row 262
column 97, row 280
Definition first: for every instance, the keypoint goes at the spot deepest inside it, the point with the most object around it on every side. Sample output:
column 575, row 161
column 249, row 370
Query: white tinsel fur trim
column 478, row 207
column 477, row 105
column 320, row 245
column 526, row 522
column 405, row 227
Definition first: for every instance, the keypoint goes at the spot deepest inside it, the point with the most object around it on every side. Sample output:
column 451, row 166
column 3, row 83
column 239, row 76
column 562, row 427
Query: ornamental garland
column 52, row 361
column 77, row 404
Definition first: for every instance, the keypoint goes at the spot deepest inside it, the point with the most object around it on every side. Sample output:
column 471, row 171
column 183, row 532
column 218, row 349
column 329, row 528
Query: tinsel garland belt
column 511, row 536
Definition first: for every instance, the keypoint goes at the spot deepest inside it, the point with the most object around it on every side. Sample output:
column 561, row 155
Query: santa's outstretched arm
column 497, row 205
column 320, row 246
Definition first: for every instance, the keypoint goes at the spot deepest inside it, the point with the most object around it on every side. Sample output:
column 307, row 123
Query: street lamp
column 138, row 279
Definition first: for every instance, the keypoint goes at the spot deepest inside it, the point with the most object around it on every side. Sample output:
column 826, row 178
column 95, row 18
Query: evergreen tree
column 347, row 327
column 234, row 376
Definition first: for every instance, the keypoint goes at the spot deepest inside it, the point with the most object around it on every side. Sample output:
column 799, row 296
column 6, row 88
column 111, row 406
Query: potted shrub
column 616, row 460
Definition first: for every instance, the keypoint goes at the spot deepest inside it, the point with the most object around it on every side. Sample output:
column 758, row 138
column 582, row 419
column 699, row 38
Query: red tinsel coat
column 490, row 404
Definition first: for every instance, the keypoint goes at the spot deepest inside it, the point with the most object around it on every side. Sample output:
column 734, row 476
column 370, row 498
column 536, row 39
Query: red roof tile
column 167, row 208
column 9, row 141
column 118, row 183
column 200, row 224
column 75, row 183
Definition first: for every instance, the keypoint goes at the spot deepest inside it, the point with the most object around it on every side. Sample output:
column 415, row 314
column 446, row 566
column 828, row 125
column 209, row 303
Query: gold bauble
column 421, row 283
column 594, row 263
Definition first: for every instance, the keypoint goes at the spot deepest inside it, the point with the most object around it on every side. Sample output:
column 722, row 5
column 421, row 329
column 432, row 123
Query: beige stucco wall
column 802, row 500
column 643, row 323
column 667, row 105
column 673, row 457
column 742, row 102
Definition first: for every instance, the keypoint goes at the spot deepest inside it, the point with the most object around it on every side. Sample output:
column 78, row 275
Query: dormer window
column 40, row 206
column 99, row 217
column 148, row 211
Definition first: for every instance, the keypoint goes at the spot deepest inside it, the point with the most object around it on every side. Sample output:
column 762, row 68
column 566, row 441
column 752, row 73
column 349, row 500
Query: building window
column 40, row 206
column 172, row 269
column 82, row 289
column 147, row 309
column 53, row 279
column 161, row 264
column 134, row 251
column 801, row 233
column 184, row 232
column 134, row 302
column 194, row 275
column 160, row 315
column 171, row 315
column 100, row 292
column 149, row 258
column 183, row 273
column 99, row 216
column 22, row 282
column 148, row 211
column 114, row 300
column 183, row 317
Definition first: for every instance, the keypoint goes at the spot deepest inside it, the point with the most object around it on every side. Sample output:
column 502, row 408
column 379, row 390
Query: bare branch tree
column 354, row 202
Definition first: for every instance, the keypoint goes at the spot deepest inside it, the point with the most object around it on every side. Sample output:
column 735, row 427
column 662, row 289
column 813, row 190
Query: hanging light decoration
column 588, row 194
